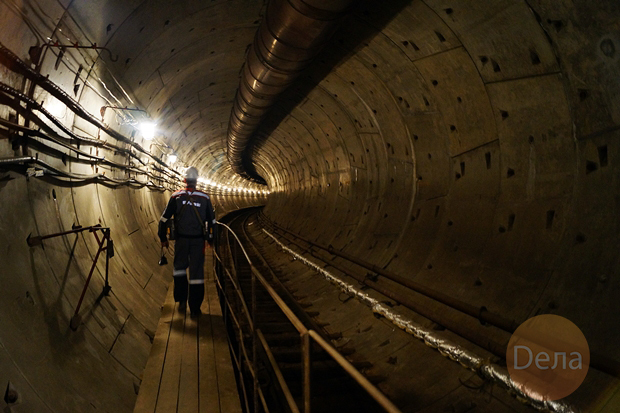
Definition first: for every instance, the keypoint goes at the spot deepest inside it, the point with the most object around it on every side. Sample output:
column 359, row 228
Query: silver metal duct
column 291, row 34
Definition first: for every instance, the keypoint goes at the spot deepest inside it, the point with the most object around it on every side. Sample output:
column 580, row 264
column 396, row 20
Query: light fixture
column 172, row 158
column 147, row 129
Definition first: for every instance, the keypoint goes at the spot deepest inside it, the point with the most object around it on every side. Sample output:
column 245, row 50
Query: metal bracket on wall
column 36, row 52
column 104, row 243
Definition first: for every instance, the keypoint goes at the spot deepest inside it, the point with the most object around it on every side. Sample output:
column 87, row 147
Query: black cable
column 15, row 64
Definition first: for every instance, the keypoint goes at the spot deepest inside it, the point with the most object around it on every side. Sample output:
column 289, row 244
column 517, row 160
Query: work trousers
column 189, row 253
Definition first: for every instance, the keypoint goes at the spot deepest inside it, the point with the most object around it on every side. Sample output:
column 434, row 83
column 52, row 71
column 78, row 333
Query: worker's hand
column 165, row 244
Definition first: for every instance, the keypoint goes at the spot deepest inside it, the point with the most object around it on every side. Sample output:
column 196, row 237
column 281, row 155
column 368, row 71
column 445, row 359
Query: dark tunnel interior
column 466, row 146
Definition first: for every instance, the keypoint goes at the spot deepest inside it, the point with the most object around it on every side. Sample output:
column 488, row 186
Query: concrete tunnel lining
column 469, row 146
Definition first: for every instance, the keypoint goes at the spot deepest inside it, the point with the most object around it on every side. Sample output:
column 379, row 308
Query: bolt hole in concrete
column 608, row 48
column 10, row 395
column 550, row 218
column 487, row 158
column 54, row 194
column 557, row 24
column 602, row 155
column 591, row 167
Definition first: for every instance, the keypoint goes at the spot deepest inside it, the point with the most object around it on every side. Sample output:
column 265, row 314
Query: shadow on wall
column 333, row 55
column 61, row 338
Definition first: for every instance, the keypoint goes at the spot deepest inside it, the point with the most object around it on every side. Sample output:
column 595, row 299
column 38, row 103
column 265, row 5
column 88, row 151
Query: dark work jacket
column 186, row 222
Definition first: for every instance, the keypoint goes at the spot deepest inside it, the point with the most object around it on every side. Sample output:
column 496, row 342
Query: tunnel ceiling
column 182, row 63
column 392, row 70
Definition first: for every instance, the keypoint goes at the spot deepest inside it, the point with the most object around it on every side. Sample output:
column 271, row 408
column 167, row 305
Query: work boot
column 195, row 314
column 182, row 307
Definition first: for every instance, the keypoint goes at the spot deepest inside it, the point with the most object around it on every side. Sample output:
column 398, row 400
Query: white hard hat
column 191, row 174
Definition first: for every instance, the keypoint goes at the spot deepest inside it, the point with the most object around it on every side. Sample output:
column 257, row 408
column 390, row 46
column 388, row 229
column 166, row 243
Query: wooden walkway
column 189, row 369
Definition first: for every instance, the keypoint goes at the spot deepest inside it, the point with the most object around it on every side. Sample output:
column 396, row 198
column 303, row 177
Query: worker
column 194, row 225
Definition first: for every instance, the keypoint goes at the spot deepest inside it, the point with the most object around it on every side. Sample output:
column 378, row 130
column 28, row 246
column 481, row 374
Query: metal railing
column 308, row 337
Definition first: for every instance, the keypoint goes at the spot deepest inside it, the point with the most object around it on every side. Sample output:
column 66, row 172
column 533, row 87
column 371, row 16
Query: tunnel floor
column 412, row 374
column 189, row 369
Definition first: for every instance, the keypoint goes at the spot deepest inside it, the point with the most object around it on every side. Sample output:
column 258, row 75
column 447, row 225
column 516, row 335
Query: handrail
column 241, row 343
column 306, row 335
column 299, row 326
column 238, row 290
column 238, row 241
column 278, row 372
column 349, row 368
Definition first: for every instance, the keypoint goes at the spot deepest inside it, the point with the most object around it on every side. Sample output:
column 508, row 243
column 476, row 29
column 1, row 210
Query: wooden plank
column 209, row 400
column 188, row 385
column 168, row 396
column 151, row 377
column 227, row 384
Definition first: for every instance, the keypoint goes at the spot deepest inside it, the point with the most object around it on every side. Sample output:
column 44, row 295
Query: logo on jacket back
column 194, row 203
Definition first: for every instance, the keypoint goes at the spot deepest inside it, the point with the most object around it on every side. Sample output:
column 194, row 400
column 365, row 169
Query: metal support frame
column 104, row 243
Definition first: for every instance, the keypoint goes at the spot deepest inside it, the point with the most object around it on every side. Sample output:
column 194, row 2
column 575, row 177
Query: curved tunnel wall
column 468, row 145
column 99, row 366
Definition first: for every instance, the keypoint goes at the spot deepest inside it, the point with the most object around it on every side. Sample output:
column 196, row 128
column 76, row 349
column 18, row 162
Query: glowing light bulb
column 147, row 129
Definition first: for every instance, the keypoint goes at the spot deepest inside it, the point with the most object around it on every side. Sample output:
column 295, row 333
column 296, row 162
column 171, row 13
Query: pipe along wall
column 469, row 146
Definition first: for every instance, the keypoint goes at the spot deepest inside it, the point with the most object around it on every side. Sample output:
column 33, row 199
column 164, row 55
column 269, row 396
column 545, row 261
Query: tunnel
column 457, row 155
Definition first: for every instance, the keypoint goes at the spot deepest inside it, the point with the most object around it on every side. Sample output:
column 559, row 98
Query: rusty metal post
column 254, row 338
column 109, row 253
column 75, row 320
column 306, row 360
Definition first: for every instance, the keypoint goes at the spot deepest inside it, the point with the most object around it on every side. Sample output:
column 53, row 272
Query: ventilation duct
column 291, row 34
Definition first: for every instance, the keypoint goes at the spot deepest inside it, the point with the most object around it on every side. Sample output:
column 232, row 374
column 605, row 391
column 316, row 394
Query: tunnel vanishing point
column 464, row 147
